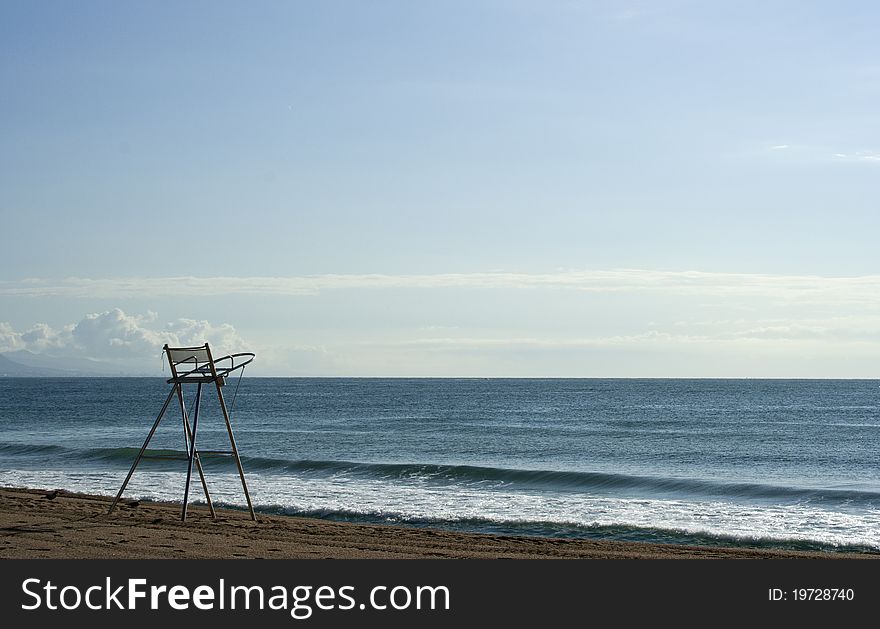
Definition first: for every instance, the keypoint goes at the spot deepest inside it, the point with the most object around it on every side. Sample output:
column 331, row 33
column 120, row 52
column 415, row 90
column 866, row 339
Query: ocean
column 762, row 463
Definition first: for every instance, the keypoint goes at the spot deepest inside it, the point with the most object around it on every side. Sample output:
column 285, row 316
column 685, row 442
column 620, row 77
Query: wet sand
column 64, row 525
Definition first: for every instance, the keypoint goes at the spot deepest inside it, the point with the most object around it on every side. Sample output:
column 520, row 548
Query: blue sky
column 479, row 188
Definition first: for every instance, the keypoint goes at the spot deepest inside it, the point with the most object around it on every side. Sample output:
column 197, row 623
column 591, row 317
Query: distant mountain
column 25, row 364
column 12, row 369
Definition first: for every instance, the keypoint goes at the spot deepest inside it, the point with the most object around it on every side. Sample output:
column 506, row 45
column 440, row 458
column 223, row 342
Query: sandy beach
column 41, row 524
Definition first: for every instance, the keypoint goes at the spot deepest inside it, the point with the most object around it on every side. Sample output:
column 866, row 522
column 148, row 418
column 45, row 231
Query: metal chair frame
column 196, row 365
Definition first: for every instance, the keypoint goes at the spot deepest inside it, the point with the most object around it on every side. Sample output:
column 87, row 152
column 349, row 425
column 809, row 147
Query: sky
column 478, row 188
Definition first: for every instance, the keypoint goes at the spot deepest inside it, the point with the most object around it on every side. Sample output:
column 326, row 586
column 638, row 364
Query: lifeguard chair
column 196, row 365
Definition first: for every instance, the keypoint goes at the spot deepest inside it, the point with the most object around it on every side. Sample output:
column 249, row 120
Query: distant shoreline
column 64, row 525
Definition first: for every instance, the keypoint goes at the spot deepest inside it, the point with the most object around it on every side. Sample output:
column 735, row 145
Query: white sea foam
column 417, row 502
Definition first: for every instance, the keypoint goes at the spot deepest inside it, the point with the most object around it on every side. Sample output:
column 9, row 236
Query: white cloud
column 116, row 337
column 822, row 153
column 860, row 156
column 541, row 343
column 10, row 340
column 187, row 332
column 41, row 337
column 796, row 337
column 863, row 290
column 760, row 353
column 115, row 334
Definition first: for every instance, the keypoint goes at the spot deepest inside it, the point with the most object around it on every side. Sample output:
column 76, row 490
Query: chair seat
column 196, row 379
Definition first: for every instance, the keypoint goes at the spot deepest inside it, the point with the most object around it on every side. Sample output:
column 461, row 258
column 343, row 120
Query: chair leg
column 187, row 438
column 143, row 448
column 192, row 453
column 235, row 451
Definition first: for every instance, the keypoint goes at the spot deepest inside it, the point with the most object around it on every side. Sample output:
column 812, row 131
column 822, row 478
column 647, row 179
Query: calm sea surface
column 784, row 463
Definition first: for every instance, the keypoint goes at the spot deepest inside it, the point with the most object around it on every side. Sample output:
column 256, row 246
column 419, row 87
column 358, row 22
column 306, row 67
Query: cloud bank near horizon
column 568, row 323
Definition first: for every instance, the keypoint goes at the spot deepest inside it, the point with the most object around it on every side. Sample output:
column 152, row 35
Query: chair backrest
column 190, row 361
